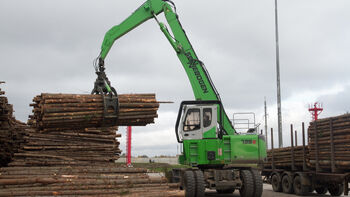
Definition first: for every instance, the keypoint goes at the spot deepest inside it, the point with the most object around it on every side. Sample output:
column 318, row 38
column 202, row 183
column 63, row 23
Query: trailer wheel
column 287, row 184
column 299, row 189
column 336, row 190
column 276, row 183
column 247, row 188
column 189, row 184
column 258, row 185
column 200, row 184
column 321, row 190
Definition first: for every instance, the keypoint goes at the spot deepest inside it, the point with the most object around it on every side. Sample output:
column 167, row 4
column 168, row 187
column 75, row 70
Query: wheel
column 225, row 191
column 247, row 188
column 299, row 189
column 287, row 184
column 189, row 184
column 321, row 190
column 276, row 183
column 336, row 190
column 258, row 184
column 200, row 184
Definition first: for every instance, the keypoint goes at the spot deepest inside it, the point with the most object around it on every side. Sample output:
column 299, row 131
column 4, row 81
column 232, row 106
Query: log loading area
column 69, row 147
column 62, row 133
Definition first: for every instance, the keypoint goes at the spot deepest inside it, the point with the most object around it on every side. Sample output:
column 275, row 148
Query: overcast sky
column 49, row 46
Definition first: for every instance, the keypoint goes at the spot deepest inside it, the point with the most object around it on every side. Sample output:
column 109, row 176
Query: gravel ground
column 267, row 193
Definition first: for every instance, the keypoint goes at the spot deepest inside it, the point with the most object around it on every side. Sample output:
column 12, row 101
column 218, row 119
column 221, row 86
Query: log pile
column 68, row 153
column 11, row 131
column 62, row 111
column 340, row 126
column 68, row 147
column 283, row 157
column 90, row 180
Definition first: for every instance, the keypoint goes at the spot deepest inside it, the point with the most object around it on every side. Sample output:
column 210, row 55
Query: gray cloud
column 50, row 46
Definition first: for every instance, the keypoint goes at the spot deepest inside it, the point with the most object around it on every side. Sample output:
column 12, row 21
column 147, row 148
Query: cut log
column 66, row 111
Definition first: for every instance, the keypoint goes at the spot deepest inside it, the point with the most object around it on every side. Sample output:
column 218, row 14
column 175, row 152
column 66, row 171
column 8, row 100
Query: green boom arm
column 201, row 83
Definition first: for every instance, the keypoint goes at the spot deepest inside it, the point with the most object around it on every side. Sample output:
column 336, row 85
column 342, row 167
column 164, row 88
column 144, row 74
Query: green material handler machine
column 219, row 157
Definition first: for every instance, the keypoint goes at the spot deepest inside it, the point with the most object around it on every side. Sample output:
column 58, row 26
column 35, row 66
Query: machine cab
column 198, row 122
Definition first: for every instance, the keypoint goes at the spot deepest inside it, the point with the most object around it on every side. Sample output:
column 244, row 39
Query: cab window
column 207, row 117
column 192, row 120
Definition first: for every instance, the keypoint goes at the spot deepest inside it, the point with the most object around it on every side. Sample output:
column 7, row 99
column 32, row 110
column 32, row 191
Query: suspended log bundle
column 283, row 157
column 11, row 131
column 89, row 180
column 61, row 111
column 327, row 135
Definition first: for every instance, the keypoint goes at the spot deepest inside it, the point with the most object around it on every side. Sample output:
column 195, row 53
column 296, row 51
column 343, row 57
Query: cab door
column 199, row 122
column 209, row 123
column 191, row 127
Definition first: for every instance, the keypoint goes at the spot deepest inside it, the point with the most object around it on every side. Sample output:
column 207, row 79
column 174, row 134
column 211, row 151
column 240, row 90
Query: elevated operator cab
column 205, row 143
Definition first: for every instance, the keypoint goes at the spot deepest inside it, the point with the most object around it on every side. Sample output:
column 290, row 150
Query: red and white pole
column 128, row 146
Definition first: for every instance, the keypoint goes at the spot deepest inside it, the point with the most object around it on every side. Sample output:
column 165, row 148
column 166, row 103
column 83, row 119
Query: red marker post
column 128, row 146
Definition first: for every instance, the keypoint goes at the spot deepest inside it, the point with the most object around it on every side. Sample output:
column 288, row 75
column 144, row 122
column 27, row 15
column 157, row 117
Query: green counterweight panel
column 237, row 149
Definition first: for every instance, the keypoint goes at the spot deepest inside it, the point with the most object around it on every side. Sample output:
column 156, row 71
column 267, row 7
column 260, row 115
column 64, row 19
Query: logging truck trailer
column 297, row 176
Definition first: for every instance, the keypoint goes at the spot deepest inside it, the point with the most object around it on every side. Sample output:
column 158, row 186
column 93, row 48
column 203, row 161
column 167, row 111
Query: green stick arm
column 202, row 86
column 139, row 16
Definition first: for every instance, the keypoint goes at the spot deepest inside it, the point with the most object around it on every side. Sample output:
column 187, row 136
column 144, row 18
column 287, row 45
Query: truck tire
column 287, row 184
column 336, row 190
column 189, row 184
column 321, row 190
column 200, row 184
column 258, row 184
column 276, row 183
column 247, row 189
column 299, row 189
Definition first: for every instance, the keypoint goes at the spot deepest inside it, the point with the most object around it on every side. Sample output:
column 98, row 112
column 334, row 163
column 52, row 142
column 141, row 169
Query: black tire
column 336, row 190
column 189, row 184
column 321, row 190
column 258, row 184
column 298, row 188
column 287, row 184
column 225, row 191
column 276, row 183
column 247, row 188
column 200, row 184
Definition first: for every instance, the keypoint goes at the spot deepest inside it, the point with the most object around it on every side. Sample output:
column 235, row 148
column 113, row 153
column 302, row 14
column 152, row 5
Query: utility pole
column 265, row 122
column 279, row 114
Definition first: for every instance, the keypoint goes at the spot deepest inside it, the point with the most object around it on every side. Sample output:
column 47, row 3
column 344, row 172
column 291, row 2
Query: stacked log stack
column 87, row 180
column 88, row 146
column 283, row 157
column 61, row 111
column 76, row 164
column 71, row 129
column 11, row 131
column 340, row 127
